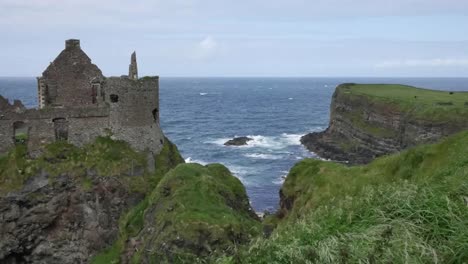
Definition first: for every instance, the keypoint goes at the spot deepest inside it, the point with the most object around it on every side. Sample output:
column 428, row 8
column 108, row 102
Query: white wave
column 292, row 139
column 281, row 179
column 268, row 142
column 190, row 160
column 263, row 156
column 203, row 94
column 290, row 98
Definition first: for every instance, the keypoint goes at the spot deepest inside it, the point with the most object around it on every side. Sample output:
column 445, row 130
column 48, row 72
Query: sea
column 200, row 114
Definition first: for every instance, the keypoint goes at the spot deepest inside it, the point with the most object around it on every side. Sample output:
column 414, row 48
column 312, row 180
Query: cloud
column 206, row 48
column 423, row 63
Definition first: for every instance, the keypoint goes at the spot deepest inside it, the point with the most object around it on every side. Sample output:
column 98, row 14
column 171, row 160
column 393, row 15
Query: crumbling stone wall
column 134, row 111
column 84, row 125
column 71, row 80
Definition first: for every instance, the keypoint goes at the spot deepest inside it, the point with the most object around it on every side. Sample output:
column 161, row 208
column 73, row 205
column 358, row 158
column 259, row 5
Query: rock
column 59, row 223
column 238, row 141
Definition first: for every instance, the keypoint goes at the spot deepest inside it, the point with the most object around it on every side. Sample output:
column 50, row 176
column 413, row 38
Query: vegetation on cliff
column 442, row 106
column 195, row 214
column 405, row 208
column 131, row 222
column 106, row 157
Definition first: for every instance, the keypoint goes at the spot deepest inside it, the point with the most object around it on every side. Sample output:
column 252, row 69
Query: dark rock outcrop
column 364, row 127
column 238, row 141
column 62, row 222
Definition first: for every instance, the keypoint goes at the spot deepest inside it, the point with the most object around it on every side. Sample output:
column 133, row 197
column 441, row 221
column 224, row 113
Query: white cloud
column 206, row 48
column 423, row 63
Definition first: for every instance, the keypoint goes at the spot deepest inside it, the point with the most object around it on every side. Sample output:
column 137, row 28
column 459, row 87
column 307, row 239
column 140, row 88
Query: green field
column 423, row 103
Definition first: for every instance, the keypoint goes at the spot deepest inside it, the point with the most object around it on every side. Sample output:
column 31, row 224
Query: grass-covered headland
column 421, row 103
column 405, row 208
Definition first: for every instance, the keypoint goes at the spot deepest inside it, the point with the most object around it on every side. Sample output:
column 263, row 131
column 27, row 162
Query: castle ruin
column 77, row 103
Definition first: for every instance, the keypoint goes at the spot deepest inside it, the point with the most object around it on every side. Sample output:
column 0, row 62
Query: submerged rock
column 238, row 141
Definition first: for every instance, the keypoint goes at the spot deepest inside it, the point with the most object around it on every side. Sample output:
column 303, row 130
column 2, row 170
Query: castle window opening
column 94, row 94
column 21, row 132
column 61, row 128
column 155, row 114
column 114, row 98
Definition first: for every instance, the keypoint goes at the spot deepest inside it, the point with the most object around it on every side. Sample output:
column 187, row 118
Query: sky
column 274, row 38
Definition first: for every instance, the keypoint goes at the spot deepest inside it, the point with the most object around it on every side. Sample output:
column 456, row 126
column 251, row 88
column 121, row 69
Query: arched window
column 20, row 132
column 61, row 128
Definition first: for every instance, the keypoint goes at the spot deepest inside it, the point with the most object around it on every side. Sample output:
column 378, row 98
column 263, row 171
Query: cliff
column 368, row 121
column 101, row 203
column 195, row 214
column 66, row 205
column 409, row 207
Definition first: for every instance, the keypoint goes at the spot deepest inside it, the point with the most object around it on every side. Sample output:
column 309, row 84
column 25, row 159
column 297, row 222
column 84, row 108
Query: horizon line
column 277, row 77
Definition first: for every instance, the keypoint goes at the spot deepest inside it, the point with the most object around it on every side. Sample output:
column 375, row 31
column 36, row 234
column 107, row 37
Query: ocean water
column 200, row 114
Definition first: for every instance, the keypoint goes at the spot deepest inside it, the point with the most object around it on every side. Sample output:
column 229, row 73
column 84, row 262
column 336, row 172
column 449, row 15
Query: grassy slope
column 196, row 212
column 405, row 208
column 422, row 103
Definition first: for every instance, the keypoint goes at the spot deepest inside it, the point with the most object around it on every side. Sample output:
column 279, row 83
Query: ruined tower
column 133, row 68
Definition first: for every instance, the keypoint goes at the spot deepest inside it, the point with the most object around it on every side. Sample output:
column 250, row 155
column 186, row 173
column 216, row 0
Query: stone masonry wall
column 134, row 111
column 68, row 81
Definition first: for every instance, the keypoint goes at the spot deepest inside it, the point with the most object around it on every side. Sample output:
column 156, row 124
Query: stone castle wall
column 134, row 113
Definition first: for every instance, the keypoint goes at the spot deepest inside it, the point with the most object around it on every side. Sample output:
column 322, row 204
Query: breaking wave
column 190, row 160
column 263, row 156
column 268, row 142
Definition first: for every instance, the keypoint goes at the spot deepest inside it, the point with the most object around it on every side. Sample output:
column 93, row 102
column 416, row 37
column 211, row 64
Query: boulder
column 238, row 141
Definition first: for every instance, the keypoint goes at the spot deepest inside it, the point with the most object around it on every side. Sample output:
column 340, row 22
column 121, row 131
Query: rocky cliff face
column 364, row 125
column 67, row 205
column 63, row 222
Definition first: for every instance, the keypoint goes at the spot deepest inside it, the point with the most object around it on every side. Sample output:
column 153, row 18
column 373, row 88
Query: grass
column 441, row 106
column 404, row 208
column 368, row 127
